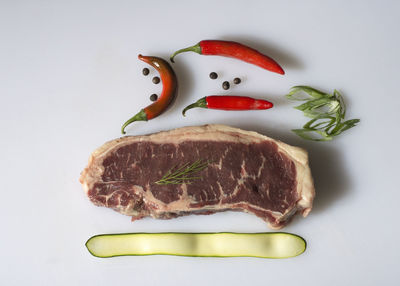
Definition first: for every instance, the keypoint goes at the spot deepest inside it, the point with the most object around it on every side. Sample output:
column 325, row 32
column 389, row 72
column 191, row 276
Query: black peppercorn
column 236, row 80
column 156, row 80
column 225, row 85
column 145, row 71
column 153, row 97
column 213, row 75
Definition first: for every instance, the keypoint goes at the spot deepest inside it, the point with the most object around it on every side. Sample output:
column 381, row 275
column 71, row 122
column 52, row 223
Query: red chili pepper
column 168, row 93
column 229, row 102
column 233, row 50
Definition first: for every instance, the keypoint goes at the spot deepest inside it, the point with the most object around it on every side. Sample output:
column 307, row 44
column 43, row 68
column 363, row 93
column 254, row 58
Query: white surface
column 70, row 77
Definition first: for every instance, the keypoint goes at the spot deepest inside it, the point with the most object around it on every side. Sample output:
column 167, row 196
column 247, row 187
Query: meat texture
column 244, row 171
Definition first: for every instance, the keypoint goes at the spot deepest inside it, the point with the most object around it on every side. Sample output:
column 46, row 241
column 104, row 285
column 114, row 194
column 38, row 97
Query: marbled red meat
column 246, row 172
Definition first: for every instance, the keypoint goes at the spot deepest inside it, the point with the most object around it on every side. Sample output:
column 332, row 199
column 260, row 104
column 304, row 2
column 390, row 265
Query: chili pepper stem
column 140, row 116
column 200, row 103
column 196, row 48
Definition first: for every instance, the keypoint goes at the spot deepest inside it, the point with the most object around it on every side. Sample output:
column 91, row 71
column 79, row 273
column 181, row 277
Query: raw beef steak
column 242, row 171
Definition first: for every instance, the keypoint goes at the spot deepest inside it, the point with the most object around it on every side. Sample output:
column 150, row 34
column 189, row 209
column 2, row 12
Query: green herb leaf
column 183, row 174
column 297, row 90
column 314, row 135
column 326, row 112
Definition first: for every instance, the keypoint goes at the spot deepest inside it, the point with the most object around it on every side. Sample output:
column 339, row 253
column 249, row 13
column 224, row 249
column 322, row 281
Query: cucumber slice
column 222, row 244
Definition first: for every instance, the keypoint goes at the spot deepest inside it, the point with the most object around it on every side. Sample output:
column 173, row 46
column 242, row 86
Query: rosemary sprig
column 183, row 174
column 325, row 110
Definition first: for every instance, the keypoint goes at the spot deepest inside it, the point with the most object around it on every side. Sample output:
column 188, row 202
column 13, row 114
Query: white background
column 69, row 77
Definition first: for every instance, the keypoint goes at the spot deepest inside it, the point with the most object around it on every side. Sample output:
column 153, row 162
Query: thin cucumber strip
column 221, row 244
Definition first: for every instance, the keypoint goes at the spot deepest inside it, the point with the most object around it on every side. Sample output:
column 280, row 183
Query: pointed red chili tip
column 241, row 52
